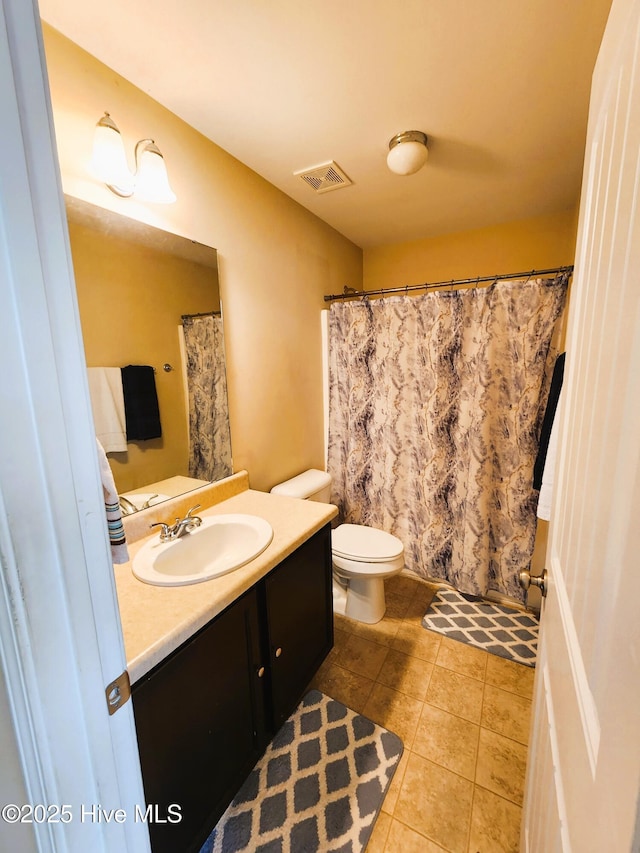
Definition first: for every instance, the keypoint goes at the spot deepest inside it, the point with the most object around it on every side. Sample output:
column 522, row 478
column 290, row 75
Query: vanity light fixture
column 408, row 152
column 149, row 182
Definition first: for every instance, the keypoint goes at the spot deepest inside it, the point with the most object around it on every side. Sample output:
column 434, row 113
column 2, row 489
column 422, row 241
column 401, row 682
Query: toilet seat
column 354, row 568
column 360, row 543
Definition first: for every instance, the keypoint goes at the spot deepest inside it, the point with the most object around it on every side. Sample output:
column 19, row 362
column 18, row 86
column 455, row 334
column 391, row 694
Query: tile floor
column 462, row 714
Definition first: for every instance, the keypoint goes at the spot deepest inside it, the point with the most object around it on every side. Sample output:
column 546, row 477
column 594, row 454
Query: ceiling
column 500, row 87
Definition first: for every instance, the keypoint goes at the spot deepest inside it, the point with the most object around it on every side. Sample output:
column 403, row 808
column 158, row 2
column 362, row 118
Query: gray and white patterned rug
column 318, row 787
column 503, row 631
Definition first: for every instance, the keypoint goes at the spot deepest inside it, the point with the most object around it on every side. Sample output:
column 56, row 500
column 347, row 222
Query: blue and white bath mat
column 318, row 787
column 503, row 631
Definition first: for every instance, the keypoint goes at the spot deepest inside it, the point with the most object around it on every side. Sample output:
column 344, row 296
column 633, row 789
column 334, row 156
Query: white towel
column 107, row 402
column 115, row 527
column 546, row 489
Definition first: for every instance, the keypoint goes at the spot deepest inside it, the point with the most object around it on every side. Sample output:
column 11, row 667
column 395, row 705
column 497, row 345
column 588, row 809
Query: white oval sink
column 221, row 544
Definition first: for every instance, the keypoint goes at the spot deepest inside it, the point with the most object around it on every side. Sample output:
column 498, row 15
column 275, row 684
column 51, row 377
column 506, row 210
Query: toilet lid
column 366, row 544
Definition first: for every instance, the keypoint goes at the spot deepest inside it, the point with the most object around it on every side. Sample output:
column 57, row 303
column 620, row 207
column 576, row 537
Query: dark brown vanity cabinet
column 299, row 608
column 206, row 713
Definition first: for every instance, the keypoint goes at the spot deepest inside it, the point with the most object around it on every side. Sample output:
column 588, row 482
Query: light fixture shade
column 109, row 164
column 152, row 181
column 408, row 152
column 109, row 161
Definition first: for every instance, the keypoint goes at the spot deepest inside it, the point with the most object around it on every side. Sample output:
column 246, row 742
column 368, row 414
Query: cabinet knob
column 261, row 672
column 278, row 652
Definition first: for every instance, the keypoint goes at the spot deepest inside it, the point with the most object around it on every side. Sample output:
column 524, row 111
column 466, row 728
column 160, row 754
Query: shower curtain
column 435, row 409
column 209, row 435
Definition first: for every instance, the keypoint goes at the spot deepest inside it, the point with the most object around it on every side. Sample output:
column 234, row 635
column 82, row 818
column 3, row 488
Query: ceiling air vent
column 324, row 178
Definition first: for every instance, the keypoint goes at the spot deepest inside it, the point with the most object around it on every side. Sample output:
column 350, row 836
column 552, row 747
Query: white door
column 584, row 761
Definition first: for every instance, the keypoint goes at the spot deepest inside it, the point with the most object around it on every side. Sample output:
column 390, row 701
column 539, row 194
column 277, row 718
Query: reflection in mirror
column 151, row 299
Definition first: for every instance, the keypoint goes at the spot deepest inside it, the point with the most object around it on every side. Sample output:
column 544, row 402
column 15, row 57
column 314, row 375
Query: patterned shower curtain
column 209, row 435
column 435, row 409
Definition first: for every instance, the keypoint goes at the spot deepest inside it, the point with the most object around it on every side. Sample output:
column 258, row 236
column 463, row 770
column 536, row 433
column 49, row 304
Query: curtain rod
column 352, row 293
column 202, row 314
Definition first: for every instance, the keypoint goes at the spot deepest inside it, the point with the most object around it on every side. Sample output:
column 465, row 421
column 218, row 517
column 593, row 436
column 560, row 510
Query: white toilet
column 362, row 556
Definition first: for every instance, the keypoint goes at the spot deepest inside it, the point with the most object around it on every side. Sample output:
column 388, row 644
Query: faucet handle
column 166, row 529
column 192, row 521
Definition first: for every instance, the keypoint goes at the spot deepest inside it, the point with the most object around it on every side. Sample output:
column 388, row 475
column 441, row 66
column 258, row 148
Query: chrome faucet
column 184, row 525
column 126, row 506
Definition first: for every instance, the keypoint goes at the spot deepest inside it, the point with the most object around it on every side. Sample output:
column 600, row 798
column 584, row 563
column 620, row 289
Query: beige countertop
column 156, row 620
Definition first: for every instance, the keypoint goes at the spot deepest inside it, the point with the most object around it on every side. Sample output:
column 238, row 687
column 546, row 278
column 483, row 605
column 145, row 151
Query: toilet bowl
column 362, row 556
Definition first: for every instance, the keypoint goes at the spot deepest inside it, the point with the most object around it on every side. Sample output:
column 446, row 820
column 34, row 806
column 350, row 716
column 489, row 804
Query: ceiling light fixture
column 149, row 182
column 408, row 152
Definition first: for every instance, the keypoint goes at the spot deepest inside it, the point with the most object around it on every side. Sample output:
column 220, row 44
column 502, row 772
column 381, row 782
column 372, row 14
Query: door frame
column 60, row 636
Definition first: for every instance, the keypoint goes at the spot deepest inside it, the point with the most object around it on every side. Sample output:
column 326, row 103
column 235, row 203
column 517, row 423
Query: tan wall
column 276, row 260
column 131, row 299
column 537, row 243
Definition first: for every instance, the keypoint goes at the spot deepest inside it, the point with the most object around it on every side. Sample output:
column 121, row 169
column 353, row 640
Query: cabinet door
column 299, row 605
column 200, row 724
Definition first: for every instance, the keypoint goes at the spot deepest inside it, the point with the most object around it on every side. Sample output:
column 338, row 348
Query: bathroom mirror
column 135, row 283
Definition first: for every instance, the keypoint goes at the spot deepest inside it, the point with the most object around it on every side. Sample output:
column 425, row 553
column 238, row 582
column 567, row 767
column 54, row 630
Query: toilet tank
column 311, row 485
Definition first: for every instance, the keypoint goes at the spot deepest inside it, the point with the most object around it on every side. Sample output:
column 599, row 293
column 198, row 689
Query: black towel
column 547, row 423
column 141, row 410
